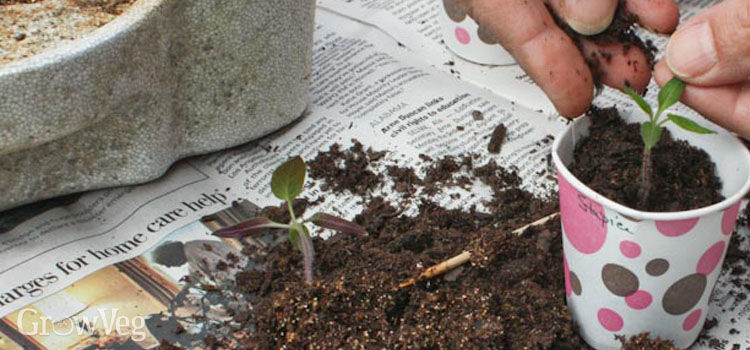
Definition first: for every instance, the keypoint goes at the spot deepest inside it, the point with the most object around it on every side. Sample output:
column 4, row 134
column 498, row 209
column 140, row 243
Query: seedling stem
column 652, row 129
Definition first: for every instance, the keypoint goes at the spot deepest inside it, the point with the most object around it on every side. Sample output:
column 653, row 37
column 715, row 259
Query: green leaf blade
column 688, row 124
column 287, row 180
column 650, row 133
column 670, row 94
column 640, row 101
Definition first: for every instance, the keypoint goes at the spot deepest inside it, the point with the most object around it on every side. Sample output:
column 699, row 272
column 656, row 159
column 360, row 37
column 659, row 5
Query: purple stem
column 646, row 169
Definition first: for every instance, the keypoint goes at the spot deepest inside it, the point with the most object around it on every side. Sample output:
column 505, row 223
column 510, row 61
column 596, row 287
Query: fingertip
column 574, row 102
column 554, row 62
column 622, row 67
column 660, row 16
column 662, row 73
column 573, row 111
column 589, row 17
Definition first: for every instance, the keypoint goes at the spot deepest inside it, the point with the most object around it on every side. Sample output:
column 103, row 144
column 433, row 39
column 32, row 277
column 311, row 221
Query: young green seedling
column 652, row 129
column 286, row 184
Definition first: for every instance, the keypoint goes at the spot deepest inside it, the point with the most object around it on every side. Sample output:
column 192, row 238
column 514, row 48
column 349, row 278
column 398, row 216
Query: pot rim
column 64, row 51
column 646, row 215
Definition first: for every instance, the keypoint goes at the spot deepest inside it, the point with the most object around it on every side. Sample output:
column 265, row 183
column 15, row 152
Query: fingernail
column 691, row 51
column 585, row 28
column 589, row 17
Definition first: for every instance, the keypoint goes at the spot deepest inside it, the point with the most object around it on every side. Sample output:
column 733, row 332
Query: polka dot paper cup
column 629, row 271
column 467, row 39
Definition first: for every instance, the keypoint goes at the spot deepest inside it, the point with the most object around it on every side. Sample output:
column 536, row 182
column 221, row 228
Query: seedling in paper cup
column 652, row 129
column 286, row 184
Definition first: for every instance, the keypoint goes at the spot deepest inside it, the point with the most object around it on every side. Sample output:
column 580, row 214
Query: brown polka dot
column 575, row 283
column 684, row 294
column 486, row 36
column 619, row 280
column 454, row 10
column 657, row 267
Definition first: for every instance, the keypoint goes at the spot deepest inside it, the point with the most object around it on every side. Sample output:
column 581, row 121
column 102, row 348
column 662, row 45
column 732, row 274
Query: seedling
column 286, row 184
column 652, row 129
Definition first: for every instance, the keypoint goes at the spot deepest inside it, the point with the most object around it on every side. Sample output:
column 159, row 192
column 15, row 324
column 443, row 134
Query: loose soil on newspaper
column 644, row 342
column 29, row 27
column 510, row 296
column 609, row 162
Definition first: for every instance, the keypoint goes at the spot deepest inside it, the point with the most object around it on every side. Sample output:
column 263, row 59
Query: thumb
column 713, row 48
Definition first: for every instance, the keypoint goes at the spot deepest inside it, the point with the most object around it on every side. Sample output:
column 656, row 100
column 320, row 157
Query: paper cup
column 467, row 39
column 629, row 271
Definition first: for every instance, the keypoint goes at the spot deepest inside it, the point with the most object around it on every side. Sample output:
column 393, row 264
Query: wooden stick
column 438, row 269
column 464, row 257
column 539, row 222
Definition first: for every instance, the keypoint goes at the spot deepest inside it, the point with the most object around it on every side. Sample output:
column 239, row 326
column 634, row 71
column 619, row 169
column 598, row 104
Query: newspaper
column 64, row 261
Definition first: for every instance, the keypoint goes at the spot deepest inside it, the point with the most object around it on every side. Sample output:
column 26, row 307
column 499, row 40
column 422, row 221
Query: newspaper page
column 68, row 260
column 364, row 86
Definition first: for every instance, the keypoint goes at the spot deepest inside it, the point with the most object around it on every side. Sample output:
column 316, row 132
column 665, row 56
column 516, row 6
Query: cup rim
column 648, row 215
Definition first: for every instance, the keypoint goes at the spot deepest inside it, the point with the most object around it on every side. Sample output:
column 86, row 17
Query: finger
column 587, row 17
column 659, row 16
column 620, row 66
column 727, row 105
column 713, row 48
column 544, row 51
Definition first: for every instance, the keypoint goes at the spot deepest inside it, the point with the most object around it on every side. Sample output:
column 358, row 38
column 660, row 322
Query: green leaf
column 650, row 133
column 688, row 124
column 640, row 101
column 288, row 179
column 670, row 94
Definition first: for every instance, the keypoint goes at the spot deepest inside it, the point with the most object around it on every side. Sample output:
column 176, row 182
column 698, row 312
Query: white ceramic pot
column 629, row 271
column 165, row 80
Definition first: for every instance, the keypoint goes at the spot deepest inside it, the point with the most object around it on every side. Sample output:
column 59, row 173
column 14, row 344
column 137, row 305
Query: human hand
column 551, row 58
column 711, row 52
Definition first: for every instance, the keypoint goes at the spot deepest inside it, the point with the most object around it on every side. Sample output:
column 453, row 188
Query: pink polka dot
column 583, row 220
column 610, row 320
column 691, row 320
column 566, row 269
column 639, row 300
column 630, row 249
column 729, row 219
column 462, row 36
column 677, row 227
column 710, row 258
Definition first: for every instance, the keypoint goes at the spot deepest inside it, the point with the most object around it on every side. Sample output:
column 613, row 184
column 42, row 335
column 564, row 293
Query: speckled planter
column 166, row 80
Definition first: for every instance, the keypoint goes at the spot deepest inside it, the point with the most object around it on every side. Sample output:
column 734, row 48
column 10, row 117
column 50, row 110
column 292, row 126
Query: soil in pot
column 609, row 162
column 29, row 27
